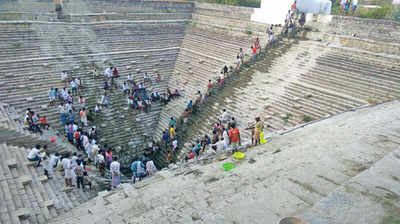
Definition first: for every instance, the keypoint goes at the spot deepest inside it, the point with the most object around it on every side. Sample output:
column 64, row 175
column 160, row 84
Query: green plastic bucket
column 228, row 166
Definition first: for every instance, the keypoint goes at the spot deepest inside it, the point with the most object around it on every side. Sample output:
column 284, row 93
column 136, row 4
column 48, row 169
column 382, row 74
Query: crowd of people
column 225, row 134
column 346, row 5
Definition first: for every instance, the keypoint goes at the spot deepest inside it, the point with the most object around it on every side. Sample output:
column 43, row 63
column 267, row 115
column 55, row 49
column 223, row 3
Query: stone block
column 308, row 95
column 128, row 67
column 297, row 106
column 44, row 107
column 21, row 86
column 76, row 67
column 43, row 178
column 2, row 83
column 29, row 164
column 103, row 125
column 138, row 70
column 296, row 99
column 145, row 56
column 25, row 180
column 266, row 106
column 23, row 213
column 45, row 64
column 31, row 77
column 29, row 99
column 12, row 163
column 284, row 116
column 133, row 62
column 48, row 204
column 265, row 82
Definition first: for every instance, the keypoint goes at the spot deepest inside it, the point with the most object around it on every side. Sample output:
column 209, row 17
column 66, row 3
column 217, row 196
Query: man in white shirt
column 114, row 169
column 224, row 117
column 74, row 87
column 130, row 78
column 34, row 155
column 64, row 76
column 354, row 7
column 67, row 166
column 174, row 145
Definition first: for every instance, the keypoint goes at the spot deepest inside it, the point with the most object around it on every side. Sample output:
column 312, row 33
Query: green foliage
column 306, row 119
column 248, row 31
column 245, row 3
column 384, row 11
column 396, row 14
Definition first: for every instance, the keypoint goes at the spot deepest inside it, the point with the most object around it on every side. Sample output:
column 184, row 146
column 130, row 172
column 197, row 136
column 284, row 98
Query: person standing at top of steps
column 234, row 138
column 354, row 7
column 257, row 45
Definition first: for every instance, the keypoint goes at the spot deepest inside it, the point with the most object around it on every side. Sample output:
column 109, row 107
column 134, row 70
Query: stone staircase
column 195, row 66
column 298, row 82
column 13, row 132
column 27, row 195
column 91, row 11
column 133, row 48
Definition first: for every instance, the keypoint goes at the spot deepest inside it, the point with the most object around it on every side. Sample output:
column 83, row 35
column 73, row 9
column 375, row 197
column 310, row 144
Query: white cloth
column 225, row 116
column 33, row 153
column 66, row 163
column 150, row 167
column 114, row 167
column 175, row 143
column 226, row 137
column 64, row 76
column 52, row 161
column 73, row 84
column 108, row 73
column 355, row 2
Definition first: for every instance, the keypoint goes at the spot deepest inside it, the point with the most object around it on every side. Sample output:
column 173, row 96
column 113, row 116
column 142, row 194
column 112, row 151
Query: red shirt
column 43, row 120
column 234, row 134
column 254, row 50
column 209, row 86
column 115, row 72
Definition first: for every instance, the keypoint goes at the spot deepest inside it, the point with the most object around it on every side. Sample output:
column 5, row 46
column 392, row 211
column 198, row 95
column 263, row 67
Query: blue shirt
column 165, row 137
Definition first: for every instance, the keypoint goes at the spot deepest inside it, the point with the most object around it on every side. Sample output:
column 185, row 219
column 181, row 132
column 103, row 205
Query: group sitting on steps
column 225, row 134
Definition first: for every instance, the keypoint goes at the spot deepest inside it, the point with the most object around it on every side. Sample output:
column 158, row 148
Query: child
column 86, row 181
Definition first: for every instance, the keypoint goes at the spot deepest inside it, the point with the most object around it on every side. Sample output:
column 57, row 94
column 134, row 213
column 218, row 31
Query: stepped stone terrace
column 334, row 65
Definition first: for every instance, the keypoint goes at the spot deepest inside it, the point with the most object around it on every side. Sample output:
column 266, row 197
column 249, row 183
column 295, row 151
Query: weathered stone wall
column 378, row 30
column 233, row 18
column 84, row 10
